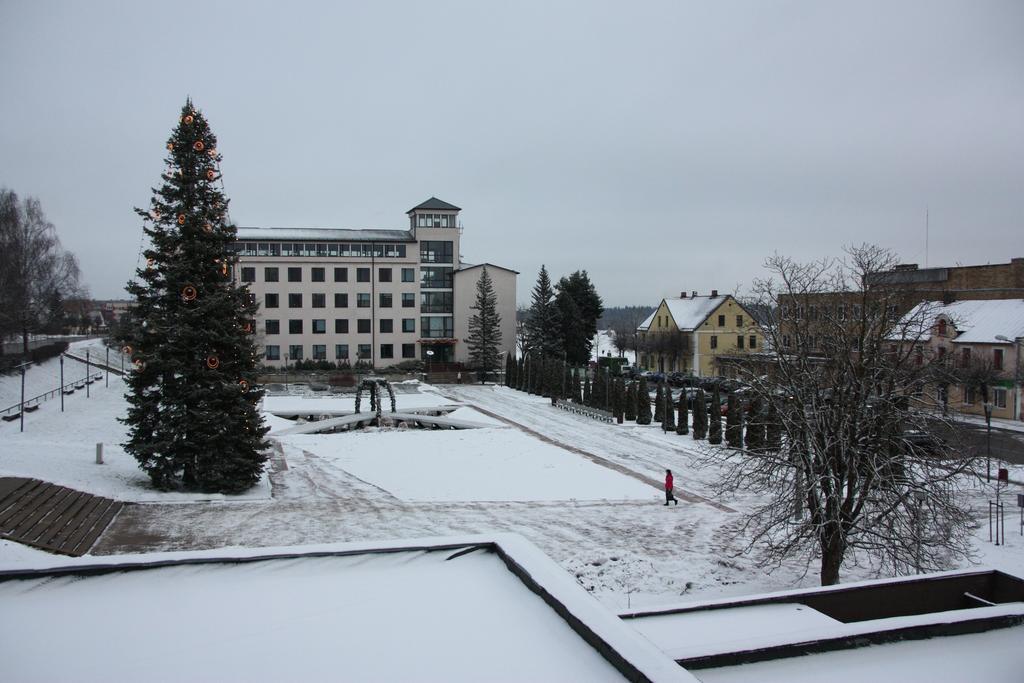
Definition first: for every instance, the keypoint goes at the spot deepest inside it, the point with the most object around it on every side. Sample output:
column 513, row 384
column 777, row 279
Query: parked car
column 681, row 379
column 916, row 442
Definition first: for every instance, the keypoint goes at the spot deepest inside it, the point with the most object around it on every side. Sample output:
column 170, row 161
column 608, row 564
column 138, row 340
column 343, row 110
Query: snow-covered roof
column 976, row 321
column 688, row 313
column 325, row 235
column 461, row 609
column 646, row 324
column 803, row 630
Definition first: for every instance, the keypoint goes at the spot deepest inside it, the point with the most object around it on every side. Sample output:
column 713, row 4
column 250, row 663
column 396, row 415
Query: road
column 1007, row 444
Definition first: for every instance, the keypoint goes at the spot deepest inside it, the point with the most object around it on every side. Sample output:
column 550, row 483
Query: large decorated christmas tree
column 192, row 417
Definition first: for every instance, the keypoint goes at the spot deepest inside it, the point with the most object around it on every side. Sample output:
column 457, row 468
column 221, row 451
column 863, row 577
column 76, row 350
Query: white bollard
column 99, row 454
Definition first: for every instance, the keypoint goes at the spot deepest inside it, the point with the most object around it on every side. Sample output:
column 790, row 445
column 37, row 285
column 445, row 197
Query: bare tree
column 522, row 334
column 846, row 380
column 34, row 269
column 670, row 346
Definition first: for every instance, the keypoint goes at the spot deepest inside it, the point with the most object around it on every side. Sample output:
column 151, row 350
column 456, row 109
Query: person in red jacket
column 669, row 496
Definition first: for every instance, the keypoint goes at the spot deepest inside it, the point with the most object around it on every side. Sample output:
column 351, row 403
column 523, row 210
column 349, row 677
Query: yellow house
column 688, row 333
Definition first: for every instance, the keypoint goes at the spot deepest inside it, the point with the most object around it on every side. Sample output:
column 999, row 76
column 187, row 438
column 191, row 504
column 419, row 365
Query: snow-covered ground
column 604, row 345
column 45, row 377
column 485, row 465
column 61, row 447
column 585, row 492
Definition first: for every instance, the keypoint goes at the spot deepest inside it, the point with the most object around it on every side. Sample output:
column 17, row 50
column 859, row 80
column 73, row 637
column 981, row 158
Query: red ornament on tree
column 207, row 228
column 139, row 365
column 212, row 362
column 199, row 146
column 189, row 120
column 210, row 175
column 181, row 219
column 189, row 293
column 170, row 146
column 126, row 349
column 245, row 385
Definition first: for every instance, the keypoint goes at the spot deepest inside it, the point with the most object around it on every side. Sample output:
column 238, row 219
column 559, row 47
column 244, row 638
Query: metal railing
column 31, row 403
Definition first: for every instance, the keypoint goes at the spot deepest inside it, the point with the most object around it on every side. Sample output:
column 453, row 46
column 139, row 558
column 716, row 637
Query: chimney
column 682, row 295
column 714, row 292
column 695, row 294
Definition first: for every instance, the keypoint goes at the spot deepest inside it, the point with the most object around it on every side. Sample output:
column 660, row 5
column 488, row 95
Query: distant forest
column 624, row 317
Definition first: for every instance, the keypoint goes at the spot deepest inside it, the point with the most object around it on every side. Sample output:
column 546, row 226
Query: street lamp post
column 23, row 366
column 988, row 441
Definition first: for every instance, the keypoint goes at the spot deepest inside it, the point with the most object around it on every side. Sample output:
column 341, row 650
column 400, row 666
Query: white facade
column 376, row 296
column 504, row 281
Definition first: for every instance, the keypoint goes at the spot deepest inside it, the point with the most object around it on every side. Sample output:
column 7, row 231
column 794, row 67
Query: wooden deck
column 51, row 517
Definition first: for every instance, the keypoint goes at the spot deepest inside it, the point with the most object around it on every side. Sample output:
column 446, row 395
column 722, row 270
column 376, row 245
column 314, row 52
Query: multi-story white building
column 379, row 296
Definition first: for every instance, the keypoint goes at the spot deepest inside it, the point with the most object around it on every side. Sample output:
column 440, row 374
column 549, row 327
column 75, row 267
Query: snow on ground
column 470, row 465
column 628, row 550
column 45, row 377
column 604, row 344
column 61, row 448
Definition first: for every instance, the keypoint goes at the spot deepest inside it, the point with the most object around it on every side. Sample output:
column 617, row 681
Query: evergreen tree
column 682, row 426
column 619, row 399
column 700, row 416
column 600, row 389
column 484, row 328
column 588, row 395
column 668, row 422
column 573, row 338
column 715, row 418
column 734, row 423
column 659, row 403
column 521, row 374
column 567, row 382
column 643, row 403
column 192, row 416
column 554, row 378
column 773, row 429
column 589, row 308
column 544, row 324
column 629, row 410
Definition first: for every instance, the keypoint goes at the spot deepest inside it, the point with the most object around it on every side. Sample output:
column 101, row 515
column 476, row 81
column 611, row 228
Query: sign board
column 1020, row 500
column 1004, row 475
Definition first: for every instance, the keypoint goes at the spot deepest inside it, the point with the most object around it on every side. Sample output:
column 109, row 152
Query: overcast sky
column 662, row 146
